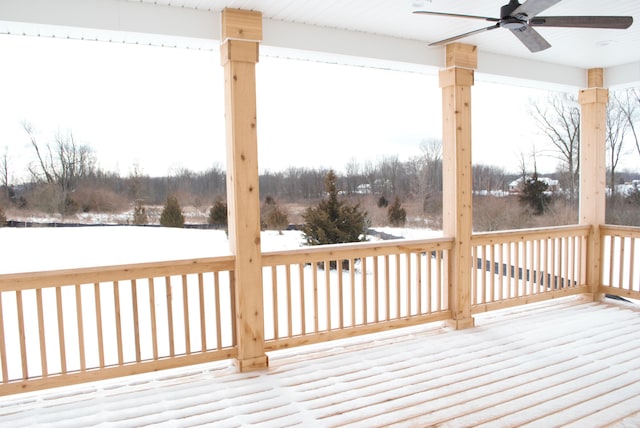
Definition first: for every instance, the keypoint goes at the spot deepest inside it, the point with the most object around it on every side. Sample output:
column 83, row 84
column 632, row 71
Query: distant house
column 628, row 188
column 515, row 187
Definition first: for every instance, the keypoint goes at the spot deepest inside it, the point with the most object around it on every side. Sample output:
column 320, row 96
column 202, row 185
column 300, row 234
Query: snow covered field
column 38, row 249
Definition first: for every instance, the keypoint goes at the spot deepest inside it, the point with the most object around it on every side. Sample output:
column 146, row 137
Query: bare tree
column 62, row 163
column 391, row 169
column 526, row 163
column 4, row 171
column 617, row 126
column 630, row 106
column 353, row 176
column 558, row 117
column 431, row 152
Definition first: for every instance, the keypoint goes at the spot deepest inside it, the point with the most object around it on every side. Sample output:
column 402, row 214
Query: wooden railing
column 337, row 291
column 620, row 256
column 517, row 267
column 72, row 326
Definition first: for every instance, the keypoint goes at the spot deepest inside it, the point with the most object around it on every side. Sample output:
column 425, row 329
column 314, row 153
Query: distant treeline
column 98, row 191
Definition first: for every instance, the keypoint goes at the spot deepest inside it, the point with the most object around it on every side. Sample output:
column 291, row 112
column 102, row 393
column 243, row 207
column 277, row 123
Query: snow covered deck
column 566, row 362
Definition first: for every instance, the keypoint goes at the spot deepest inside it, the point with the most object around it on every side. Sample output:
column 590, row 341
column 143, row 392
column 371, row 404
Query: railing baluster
column 327, row 284
column 565, row 261
column 365, row 308
column 136, row 319
column 303, row 312
column 612, row 249
column 41, row 334
column 352, row 288
column 418, row 282
column 83, row 361
column 216, row 285
column 440, row 286
column 168, row 292
column 632, row 259
column 23, row 345
column 340, row 294
column 530, row 266
column 540, row 265
column 116, row 300
column 274, row 295
column 203, row 323
column 98, row 304
column 492, row 278
column 509, row 271
column 429, row 285
column 376, row 290
column 232, row 292
column 623, row 241
column 398, row 285
column 573, row 261
column 315, row 296
column 289, row 304
column 387, row 282
column 185, row 313
column 61, row 341
column 500, row 264
column 517, row 269
column 485, row 293
column 409, row 287
column 3, row 346
column 154, row 326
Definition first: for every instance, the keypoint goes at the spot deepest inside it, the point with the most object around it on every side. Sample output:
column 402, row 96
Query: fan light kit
column 521, row 18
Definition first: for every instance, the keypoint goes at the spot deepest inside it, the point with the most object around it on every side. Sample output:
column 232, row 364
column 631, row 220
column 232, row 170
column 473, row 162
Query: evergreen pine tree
column 396, row 215
column 534, row 196
column 218, row 213
column 334, row 221
column 172, row 213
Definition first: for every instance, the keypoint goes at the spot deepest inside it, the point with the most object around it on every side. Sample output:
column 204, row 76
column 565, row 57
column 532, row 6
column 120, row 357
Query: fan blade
column 617, row 22
column 460, row 36
column 531, row 39
column 455, row 15
column 533, row 7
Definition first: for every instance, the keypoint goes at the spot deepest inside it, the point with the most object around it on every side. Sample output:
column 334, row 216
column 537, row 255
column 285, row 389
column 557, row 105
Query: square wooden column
column 241, row 33
column 456, row 81
column 593, row 169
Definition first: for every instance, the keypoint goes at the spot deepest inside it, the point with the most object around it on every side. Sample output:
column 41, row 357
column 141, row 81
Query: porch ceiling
column 363, row 32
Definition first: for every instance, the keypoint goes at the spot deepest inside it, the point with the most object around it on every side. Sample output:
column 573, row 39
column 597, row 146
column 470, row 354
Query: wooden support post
column 241, row 33
column 593, row 124
column 456, row 81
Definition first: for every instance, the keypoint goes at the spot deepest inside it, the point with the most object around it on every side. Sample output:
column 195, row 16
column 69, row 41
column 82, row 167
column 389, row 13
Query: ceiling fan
column 521, row 18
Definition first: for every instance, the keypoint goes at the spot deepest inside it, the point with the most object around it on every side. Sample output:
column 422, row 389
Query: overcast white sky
column 162, row 108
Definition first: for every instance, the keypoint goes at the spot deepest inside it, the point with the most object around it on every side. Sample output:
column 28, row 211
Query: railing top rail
column 612, row 229
column 90, row 275
column 530, row 234
column 355, row 250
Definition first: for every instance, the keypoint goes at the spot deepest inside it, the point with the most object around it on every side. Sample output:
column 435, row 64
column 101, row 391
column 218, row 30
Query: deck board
column 567, row 362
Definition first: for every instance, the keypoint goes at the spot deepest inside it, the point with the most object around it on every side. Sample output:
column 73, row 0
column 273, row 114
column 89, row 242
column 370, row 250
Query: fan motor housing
column 513, row 23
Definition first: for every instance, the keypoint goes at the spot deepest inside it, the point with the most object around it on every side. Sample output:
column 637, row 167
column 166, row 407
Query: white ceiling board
column 379, row 33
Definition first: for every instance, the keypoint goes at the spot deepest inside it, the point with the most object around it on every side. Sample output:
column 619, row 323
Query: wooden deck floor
column 567, row 362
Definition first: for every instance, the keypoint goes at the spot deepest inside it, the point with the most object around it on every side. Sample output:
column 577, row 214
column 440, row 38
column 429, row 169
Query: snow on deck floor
column 566, row 362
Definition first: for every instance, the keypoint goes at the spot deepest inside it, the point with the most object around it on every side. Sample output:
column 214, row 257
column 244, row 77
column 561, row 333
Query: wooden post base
column 461, row 324
column 251, row 364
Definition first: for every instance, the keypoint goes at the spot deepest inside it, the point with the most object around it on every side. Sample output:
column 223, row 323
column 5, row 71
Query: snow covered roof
column 564, row 362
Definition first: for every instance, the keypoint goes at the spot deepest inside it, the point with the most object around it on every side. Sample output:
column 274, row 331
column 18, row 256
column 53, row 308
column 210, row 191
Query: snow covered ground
column 37, row 249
